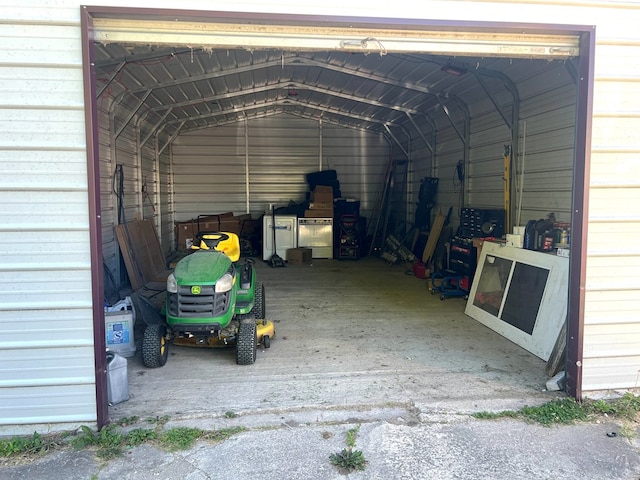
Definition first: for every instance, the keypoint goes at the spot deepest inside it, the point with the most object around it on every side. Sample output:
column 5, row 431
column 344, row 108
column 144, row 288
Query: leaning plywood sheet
column 135, row 275
column 141, row 252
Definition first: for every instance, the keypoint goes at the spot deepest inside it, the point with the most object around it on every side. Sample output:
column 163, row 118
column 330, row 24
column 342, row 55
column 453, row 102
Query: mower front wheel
column 154, row 346
column 247, row 343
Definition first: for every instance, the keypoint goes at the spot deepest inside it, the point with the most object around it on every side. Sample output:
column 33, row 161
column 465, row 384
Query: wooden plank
column 146, row 246
column 135, row 276
column 556, row 361
column 432, row 241
column 141, row 253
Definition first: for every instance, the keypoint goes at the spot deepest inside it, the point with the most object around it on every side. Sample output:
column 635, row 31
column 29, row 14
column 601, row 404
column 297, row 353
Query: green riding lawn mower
column 212, row 300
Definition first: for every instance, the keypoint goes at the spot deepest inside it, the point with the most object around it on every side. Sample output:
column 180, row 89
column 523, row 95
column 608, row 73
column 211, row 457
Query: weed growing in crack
column 568, row 411
column 349, row 459
column 111, row 441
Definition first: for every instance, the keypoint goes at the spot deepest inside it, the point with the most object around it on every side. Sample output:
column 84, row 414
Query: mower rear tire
column 259, row 311
column 154, row 346
column 246, row 343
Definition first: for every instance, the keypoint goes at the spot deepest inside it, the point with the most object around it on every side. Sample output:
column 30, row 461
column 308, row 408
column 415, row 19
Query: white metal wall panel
column 545, row 150
column 209, row 172
column 166, row 213
column 612, row 337
column 360, row 159
column 47, row 373
column 149, row 186
column 114, row 152
column 449, row 151
column 282, row 150
column 209, row 165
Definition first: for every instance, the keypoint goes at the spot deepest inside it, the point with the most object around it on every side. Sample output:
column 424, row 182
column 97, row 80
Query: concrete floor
column 350, row 336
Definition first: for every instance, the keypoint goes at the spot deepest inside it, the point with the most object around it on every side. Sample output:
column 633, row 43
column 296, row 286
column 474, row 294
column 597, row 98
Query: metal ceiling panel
column 363, row 76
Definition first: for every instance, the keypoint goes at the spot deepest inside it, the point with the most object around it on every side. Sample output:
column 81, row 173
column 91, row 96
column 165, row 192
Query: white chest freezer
column 286, row 230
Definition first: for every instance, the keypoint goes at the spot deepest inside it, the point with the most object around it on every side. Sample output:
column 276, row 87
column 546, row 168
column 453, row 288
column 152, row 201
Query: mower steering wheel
column 218, row 237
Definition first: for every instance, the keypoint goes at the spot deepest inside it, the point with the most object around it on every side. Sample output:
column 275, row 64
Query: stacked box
column 321, row 203
column 224, row 222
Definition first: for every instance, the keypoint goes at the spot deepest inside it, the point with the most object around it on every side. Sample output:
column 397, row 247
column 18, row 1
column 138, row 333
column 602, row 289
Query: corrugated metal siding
column 612, row 333
column 209, row 172
column 360, row 159
column 114, row 152
column 41, row 102
column 210, row 175
column 282, row 150
column 167, row 218
column 47, row 373
column 546, row 138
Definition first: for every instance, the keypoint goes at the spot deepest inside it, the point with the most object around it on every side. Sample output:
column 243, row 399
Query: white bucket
column 117, row 378
column 118, row 328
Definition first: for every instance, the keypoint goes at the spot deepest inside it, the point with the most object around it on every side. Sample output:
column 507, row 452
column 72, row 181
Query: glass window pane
column 524, row 296
column 492, row 284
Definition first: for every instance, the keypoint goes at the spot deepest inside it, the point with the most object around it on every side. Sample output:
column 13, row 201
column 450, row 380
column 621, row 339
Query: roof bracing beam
column 170, row 139
column 132, row 113
column 419, row 130
column 286, row 103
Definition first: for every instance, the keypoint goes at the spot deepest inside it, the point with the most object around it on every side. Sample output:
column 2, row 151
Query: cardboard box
column 186, row 231
column 249, row 226
column 318, row 213
column 322, row 194
column 321, row 205
column 299, row 256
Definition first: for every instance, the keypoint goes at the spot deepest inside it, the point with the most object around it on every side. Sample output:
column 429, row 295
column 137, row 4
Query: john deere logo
column 195, row 290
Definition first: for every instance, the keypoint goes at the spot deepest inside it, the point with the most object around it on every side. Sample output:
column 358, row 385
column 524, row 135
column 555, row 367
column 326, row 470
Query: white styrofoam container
column 514, row 240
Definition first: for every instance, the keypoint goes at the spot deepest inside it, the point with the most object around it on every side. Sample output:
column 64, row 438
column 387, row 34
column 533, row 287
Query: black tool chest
column 462, row 257
column 474, row 223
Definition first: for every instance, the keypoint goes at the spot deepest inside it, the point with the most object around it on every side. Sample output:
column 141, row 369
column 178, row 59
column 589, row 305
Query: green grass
column 180, row 438
column 567, row 411
column 111, row 441
column 35, row 444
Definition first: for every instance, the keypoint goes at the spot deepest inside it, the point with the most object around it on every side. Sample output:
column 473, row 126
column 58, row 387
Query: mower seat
column 230, row 246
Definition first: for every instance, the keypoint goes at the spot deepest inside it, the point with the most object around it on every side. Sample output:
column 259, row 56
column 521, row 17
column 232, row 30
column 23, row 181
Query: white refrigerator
column 286, row 235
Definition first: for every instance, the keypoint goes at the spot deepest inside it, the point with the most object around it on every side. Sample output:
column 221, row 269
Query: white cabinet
column 286, row 235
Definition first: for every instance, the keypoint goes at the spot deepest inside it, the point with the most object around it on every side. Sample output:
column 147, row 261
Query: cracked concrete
column 357, row 343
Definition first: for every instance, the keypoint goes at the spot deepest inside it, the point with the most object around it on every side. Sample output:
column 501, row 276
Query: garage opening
column 202, row 117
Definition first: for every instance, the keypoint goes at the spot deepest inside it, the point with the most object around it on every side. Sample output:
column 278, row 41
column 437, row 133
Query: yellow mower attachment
column 266, row 331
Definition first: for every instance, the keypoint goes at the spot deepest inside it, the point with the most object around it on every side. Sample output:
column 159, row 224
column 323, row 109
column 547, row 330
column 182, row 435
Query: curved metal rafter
column 289, row 85
column 296, row 60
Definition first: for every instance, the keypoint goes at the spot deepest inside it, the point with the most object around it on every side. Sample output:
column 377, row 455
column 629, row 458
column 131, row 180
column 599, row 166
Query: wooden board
column 135, row 276
column 556, row 361
column 432, row 241
column 141, row 252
